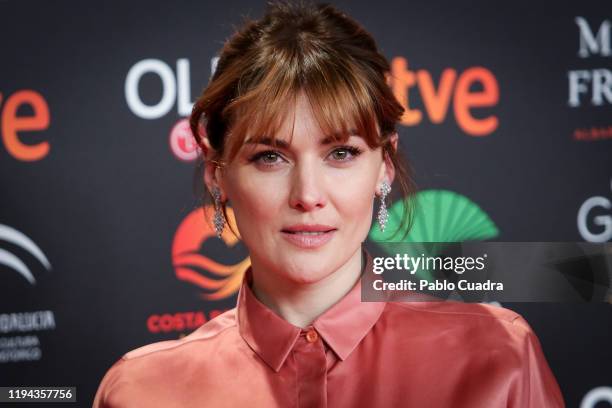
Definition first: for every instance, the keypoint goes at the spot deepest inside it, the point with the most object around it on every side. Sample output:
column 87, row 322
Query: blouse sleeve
column 536, row 385
column 110, row 380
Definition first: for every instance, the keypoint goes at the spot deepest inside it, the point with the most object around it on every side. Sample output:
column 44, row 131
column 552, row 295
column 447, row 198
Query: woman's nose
column 307, row 187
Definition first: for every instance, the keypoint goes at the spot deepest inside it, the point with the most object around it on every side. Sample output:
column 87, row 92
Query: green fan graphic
column 439, row 216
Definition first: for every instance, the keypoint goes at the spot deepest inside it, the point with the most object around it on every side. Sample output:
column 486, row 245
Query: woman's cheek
column 356, row 198
column 356, row 185
column 257, row 196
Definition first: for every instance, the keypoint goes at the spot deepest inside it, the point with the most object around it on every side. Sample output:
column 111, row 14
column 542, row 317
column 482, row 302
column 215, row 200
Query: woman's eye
column 272, row 158
column 267, row 158
column 345, row 153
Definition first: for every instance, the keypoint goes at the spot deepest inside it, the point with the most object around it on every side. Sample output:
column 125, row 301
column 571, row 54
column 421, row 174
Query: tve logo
column 452, row 86
column 13, row 124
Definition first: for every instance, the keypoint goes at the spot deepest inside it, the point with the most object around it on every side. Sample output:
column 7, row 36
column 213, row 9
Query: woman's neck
column 298, row 303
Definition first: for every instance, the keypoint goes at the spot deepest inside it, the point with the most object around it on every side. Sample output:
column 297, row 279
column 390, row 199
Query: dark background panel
column 105, row 204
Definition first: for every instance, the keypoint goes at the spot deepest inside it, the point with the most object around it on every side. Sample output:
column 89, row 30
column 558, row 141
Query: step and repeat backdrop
column 103, row 243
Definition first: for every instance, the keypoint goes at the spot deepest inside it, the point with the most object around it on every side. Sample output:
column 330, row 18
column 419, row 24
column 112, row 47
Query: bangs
column 294, row 49
column 341, row 104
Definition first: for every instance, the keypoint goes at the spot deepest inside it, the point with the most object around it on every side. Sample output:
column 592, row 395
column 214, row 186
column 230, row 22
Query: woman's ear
column 212, row 171
column 393, row 140
column 387, row 171
column 209, row 175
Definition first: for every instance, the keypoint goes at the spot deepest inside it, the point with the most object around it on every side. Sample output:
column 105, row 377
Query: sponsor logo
column 440, row 216
column 11, row 261
column 12, row 124
column 23, row 347
column 179, row 322
column 591, row 44
column 194, row 248
column 593, row 398
column 182, row 143
column 27, row 321
column 453, row 87
column 175, row 91
column 593, row 86
column 214, row 266
column 596, row 83
column 595, row 219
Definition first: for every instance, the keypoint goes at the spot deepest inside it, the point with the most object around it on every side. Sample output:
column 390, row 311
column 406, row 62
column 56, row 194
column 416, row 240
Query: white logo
column 18, row 238
column 595, row 396
column 593, row 44
column 599, row 80
column 171, row 88
column 23, row 347
column 604, row 221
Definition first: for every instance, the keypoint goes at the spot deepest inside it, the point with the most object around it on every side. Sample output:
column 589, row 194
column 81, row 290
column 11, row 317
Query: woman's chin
column 303, row 277
column 303, row 273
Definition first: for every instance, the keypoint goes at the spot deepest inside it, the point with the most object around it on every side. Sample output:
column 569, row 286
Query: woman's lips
column 308, row 239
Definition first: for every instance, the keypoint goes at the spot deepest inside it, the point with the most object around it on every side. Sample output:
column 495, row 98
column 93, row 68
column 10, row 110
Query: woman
column 297, row 126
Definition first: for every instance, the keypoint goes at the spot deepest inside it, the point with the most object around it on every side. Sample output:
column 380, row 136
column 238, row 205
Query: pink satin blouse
column 357, row 354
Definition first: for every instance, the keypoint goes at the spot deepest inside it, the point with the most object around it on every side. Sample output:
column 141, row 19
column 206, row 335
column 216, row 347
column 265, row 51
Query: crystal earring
column 383, row 214
column 219, row 217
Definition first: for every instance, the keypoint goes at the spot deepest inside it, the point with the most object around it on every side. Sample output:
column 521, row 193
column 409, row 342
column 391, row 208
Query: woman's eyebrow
column 268, row 141
column 283, row 144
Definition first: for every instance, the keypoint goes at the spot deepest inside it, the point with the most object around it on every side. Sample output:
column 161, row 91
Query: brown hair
column 314, row 48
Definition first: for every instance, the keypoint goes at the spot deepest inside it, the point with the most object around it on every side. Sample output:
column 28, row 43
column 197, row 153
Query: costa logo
column 12, row 236
column 12, row 124
column 452, row 86
column 218, row 278
column 167, row 322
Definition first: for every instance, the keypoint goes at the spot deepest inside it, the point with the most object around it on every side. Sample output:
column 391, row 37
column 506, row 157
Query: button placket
column 311, row 363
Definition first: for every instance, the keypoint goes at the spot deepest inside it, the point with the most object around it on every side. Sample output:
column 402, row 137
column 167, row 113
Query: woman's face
column 303, row 206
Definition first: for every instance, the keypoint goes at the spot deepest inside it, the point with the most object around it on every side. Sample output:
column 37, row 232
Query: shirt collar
column 342, row 326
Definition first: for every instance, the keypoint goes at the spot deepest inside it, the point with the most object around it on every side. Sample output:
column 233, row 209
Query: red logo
column 217, row 280
column 182, row 143
column 182, row 321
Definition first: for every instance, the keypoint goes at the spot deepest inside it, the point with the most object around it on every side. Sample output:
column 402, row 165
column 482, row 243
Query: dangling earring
column 383, row 215
column 219, row 217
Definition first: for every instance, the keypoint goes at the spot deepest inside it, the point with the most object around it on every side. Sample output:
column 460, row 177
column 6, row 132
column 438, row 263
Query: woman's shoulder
column 476, row 331
column 470, row 318
column 210, row 331
column 482, row 338
column 154, row 364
